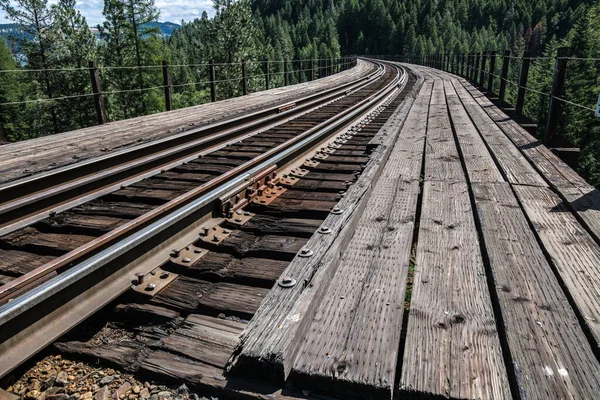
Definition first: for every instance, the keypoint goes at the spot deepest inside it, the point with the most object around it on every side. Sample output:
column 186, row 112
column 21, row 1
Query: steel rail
column 14, row 286
column 33, row 198
column 160, row 222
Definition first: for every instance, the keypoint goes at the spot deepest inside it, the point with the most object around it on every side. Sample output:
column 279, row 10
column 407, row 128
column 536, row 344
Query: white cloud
column 172, row 11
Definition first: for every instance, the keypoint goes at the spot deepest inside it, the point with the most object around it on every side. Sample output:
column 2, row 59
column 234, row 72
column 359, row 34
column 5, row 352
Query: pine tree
column 36, row 21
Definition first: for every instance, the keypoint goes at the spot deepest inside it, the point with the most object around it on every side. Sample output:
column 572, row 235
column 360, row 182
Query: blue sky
column 172, row 11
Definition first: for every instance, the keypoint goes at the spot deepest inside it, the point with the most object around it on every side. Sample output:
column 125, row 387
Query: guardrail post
column 211, row 74
column 492, row 71
column 331, row 71
column 300, row 76
column 311, row 74
column 244, row 79
column 167, row 85
column 558, row 91
column 285, row 72
column 97, row 90
column 475, row 69
column 522, row 84
column 482, row 73
column 504, row 76
column 266, row 71
column 469, row 66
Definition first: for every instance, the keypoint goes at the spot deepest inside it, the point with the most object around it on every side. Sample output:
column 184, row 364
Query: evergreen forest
column 45, row 79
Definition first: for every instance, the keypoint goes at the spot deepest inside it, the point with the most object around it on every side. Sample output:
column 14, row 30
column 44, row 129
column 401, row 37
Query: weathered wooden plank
column 351, row 346
column 143, row 195
column 443, row 162
column 31, row 239
column 550, row 354
column 267, row 347
column 116, row 209
column 94, row 225
column 583, row 198
column 574, row 252
column 292, row 208
column 167, row 367
column 223, row 267
column 261, row 224
column 245, row 244
column 293, row 194
column 123, row 354
column 306, row 183
column 206, row 339
column 16, row 263
column 480, row 164
column 193, row 295
column 162, row 184
column 452, row 346
column 516, row 168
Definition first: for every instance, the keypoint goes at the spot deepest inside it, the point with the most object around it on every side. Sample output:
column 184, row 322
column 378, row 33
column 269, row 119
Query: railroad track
column 220, row 210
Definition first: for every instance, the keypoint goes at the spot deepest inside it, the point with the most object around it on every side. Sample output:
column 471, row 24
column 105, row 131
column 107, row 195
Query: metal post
column 504, row 76
column 285, row 72
column 475, row 69
column 469, row 66
column 482, row 74
column 167, row 85
column 244, row 79
column 300, row 77
column 522, row 84
column 492, row 71
column 267, row 77
column 311, row 75
column 558, row 91
column 211, row 74
column 97, row 90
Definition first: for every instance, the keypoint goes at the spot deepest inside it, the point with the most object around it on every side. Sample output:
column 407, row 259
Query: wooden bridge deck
column 496, row 240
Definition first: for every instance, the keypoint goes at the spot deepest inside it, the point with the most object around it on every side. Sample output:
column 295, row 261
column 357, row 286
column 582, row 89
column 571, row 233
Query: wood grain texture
column 452, row 346
column 268, row 345
column 582, row 197
column 550, row 354
column 443, row 162
column 573, row 251
column 480, row 164
column 351, row 346
column 515, row 167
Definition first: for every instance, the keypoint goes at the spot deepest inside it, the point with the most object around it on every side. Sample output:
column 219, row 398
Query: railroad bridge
column 384, row 232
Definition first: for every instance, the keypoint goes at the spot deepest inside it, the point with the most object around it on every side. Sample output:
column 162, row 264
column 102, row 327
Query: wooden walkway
column 21, row 159
column 464, row 264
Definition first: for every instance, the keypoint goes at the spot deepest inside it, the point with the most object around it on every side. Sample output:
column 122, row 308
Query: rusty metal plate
column 269, row 195
column 188, row 256
column 310, row 163
column 299, row 172
column 288, row 180
column 321, row 156
column 240, row 217
column 153, row 282
column 215, row 235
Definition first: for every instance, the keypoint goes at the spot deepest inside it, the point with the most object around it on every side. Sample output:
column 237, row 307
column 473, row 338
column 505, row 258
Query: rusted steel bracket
column 188, row 256
column 153, row 282
column 310, row 163
column 240, row 217
column 268, row 195
column 215, row 235
column 286, row 107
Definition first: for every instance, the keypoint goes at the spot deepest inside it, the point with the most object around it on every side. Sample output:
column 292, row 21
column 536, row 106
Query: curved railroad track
column 78, row 237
